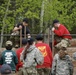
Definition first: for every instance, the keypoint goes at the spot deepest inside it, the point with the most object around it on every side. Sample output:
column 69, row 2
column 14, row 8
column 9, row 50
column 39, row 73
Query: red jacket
column 46, row 51
column 18, row 52
column 63, row 32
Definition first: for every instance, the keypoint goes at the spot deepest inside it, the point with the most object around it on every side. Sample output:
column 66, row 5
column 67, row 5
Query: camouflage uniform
column 63, row 43
column 74, row 56
column 28, row 71
column 62, row 66
column 33, row 57
column 44, row 71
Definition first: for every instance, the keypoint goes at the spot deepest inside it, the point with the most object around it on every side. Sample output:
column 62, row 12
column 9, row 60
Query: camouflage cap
column 9, row 43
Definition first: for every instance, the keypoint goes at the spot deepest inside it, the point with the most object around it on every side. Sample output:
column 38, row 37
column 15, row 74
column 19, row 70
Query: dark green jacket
column 9, row 57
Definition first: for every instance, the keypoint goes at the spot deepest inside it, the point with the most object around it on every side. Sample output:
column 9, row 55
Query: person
column 23, row 30
column 63, row 36
column 31, row 56
column 45, row 49
column 22, row 26
column 74, row 61
column 74, row 55
column 62, row 64
column 18, row 52
column 5, row 70
column 9, row 57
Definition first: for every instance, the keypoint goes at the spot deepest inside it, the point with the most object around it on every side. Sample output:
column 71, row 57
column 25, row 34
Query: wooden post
column 53, row 43
column 20, row 37
column 48, row 35
column 25, row 32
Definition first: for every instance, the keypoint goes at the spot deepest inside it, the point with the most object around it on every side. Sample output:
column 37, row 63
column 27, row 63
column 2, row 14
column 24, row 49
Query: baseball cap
column 5, row 69
column 9, row 43
column 24, row 41
column 39, row 37
column 55, row 21
column 25, row 20
column 31, row 40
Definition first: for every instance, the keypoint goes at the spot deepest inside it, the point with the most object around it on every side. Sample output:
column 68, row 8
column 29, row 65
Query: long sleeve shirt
column 47, row 54
column 63, row 32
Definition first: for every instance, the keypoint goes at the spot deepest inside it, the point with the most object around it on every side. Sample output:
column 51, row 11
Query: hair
column 24, row 42
column 25, row 20
column 9, row 47
column 39, row 37
column 25, row 51
column 30, row 43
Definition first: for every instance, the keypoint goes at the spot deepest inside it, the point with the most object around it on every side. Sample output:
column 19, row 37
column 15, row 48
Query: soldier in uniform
column 31, row 56
column 62, row 64
column 44, row 48
column 18, row 52
column 62, row 35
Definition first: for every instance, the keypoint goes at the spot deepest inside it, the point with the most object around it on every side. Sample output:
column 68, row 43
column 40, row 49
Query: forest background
column 41, row 13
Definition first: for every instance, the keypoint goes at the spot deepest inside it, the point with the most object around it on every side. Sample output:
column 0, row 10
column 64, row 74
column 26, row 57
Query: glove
column 53, row 29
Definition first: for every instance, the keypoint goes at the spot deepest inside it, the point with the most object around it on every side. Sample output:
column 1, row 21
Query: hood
column 31, row 48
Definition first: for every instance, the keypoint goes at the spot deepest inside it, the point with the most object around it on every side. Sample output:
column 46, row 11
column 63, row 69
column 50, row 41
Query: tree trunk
column 4, row 23
column 42, row 14
column 33, row 23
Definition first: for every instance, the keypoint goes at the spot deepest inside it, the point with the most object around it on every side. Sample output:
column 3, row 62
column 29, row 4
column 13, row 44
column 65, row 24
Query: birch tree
column 42, row 16
column 5, row 16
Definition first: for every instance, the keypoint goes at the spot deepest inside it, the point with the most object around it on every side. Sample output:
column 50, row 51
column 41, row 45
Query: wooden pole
column 25, row 32
column 53, row 43
column 48, row 35
column 20, row 37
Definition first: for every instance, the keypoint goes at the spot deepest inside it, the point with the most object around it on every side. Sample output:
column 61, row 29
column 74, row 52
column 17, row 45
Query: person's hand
column 28, row 35
column 53, row 29
column 23, row 66
column 20, row 27
column 15, row 29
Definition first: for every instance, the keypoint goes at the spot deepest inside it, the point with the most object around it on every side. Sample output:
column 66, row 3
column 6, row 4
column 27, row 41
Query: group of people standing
column 38, row 59
column 35, row 57
column 31, row 59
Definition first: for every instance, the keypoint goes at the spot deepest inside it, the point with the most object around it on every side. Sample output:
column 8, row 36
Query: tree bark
column 42, row 14
column 33, row 24
column 5, row 16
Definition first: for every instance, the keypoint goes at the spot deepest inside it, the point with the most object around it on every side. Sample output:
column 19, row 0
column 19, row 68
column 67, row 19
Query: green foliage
column 64, row 10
